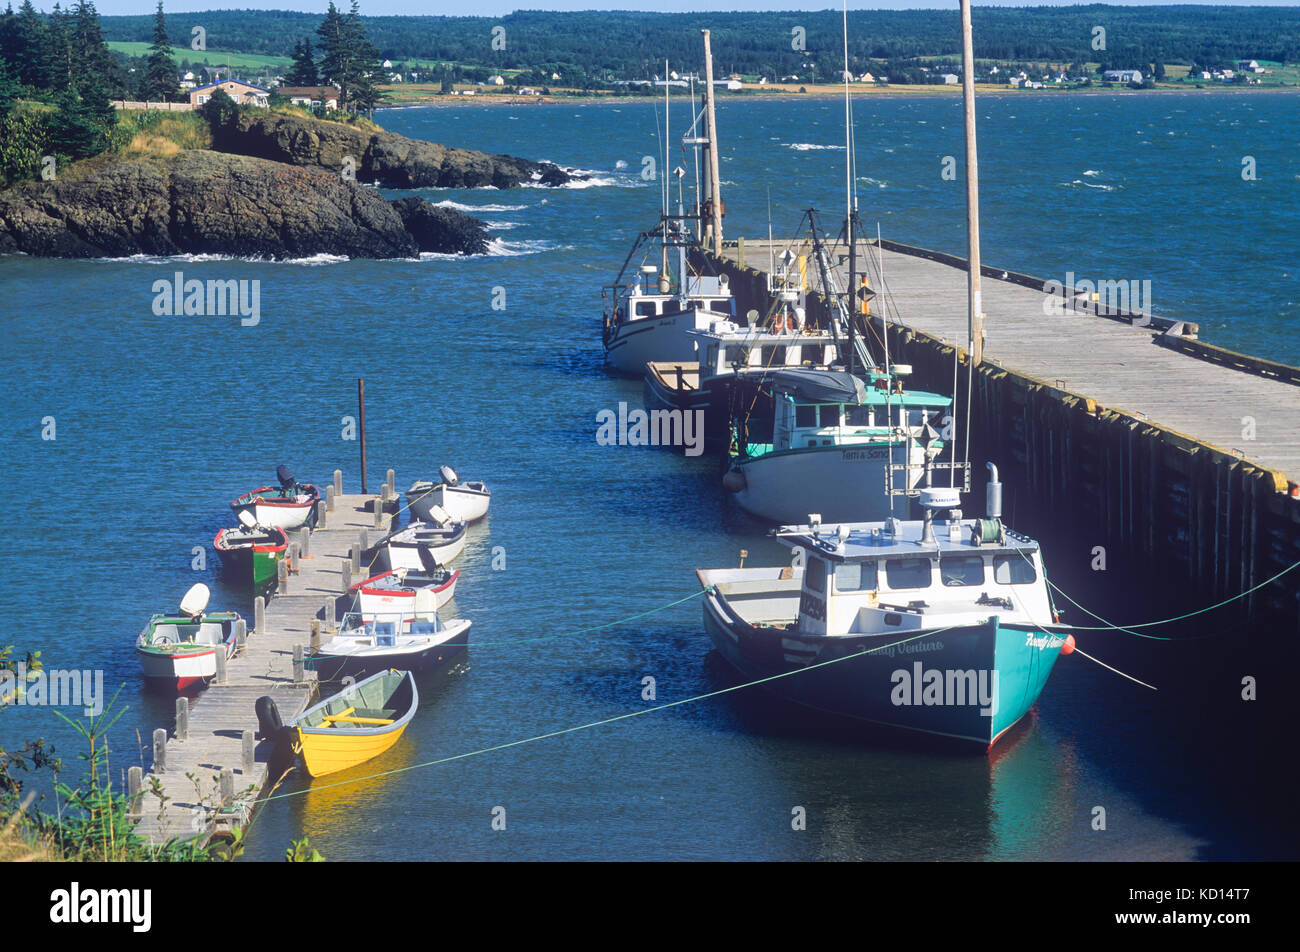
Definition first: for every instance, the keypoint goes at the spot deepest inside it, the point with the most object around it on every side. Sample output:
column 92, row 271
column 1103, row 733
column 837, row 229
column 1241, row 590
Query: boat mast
column 975, row 315
column 848, row 199
column 714, row 203
column 663, row 178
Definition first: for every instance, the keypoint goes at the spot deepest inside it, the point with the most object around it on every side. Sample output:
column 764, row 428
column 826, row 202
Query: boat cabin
column 883, row 577
column 726, row 348
column 649, row 296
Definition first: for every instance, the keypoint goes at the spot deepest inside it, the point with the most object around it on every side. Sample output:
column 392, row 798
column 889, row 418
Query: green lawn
column 210, row 57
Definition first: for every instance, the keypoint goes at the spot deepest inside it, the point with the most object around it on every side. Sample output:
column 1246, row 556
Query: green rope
column 607, row 720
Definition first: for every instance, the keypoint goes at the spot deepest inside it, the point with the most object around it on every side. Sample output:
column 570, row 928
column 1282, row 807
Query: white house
column 496, row 80
column 241, row 92
column 311, row 96
column 1122, row 76
column 950, row 79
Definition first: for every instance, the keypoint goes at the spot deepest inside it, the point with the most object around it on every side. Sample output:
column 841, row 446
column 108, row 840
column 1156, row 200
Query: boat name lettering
column 911, row 648
column 1045, row 641
column 858, row 456
column 812, row 606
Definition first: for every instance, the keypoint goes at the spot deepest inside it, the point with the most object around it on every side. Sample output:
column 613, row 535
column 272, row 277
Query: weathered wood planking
column 1113, row 362
column 221, row 713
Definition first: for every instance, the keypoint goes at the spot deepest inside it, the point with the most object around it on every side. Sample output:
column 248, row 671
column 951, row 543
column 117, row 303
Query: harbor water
column 159, row 421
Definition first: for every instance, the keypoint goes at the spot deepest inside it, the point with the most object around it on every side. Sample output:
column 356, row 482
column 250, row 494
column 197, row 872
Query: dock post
column 241, row 634
column 134, row 784
column 327, row 613
column 159, row 751
column 282, row 576
column 363, row 540
column 347, row 576
column 246, row 740
column 740, row 251
column 295, row 552
column 392, row 486
column 315, row 634
column 321, row 508
column 379, row 508
column 329, row 499
column 227, row 785
column 304, row 542
column 259, row 614
column 182, row 718
column 220, row 677
column 299, row 667
column 338, row 483
column 355, row 554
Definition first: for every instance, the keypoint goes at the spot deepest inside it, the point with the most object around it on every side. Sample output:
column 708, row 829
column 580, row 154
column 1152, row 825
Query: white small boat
column 420, row 544
column 365, row 645
column 465, row 502
column 398, row 591
column 181, row 649
column 290, row 505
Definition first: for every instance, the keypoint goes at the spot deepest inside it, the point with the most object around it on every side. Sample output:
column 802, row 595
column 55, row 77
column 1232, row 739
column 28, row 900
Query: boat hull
column 324, row 753
column 335, row 667
column 181, row 670
column 462, row 503
column 841, row 483
column 387, row 602
column 407, row 556
column 630, row 346
column 281, row 513
column 989, row 675
column 242, row 563
column 353, row 739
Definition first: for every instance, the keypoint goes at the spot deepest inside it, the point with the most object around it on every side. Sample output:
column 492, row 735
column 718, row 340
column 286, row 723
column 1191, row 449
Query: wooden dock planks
column 220, row 714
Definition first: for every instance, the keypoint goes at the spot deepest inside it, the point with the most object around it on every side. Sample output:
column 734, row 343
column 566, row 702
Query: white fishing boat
column 180, row 650
column 419, row 545
column 367, row 644
column 397, row 592
column 288, row 506
column 826, row 441
column 938, row 625
column 464, row 501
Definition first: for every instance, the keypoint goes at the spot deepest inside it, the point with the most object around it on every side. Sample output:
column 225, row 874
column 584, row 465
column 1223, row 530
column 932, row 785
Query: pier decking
column 1180, row 452
column 222, row 719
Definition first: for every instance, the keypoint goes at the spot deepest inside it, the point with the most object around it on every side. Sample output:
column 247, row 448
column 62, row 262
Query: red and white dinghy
column 290, row 505
column 398, row 592
column 180, row 650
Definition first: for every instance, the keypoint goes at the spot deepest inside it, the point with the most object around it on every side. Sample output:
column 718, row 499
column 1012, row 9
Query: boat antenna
column 663, row 175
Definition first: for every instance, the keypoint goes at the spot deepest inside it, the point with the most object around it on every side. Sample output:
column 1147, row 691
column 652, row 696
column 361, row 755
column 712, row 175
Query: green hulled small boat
column 251, row 552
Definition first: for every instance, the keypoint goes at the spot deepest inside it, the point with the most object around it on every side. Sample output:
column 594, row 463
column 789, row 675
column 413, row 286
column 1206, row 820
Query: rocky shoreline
column 274, row 186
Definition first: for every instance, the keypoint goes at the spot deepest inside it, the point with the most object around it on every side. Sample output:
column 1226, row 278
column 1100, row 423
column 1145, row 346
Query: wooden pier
column 208, row 764
column 1183, row 454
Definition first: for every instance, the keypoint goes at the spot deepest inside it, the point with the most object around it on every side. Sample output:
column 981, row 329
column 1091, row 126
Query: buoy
column 1068, row 647
column 733, row 481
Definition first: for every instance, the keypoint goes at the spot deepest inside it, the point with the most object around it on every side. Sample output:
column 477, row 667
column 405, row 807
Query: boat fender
column 269, row 723
column 733, row 481
column 1068, row 647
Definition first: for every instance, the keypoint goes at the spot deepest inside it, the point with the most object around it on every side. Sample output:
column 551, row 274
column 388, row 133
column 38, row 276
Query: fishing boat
column 180, row 650
column 288, row 506
column 419, row 545
column 250, row 551
column 357, row 724
column 939, row 625
column 464, row 501
column 726, row 353
column 831, row 441
column 417, row 640
column 396, row 591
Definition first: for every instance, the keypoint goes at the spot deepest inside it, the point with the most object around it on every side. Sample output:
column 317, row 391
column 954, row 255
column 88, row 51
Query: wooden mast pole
column 712, row 133
column 975, row 312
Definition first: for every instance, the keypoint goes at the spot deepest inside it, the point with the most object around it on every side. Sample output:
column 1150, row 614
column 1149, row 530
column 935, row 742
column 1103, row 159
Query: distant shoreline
column 888, row 92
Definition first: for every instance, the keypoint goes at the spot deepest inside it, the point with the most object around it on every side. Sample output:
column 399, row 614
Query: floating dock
column 209, row 765
column 1179, row 456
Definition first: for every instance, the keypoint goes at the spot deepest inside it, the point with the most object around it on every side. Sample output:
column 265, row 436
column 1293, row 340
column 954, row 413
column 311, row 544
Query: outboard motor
column 449, row 477
column 285, row 475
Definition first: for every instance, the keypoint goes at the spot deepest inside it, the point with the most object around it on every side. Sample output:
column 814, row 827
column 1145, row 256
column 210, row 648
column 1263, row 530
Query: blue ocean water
column 160, row 421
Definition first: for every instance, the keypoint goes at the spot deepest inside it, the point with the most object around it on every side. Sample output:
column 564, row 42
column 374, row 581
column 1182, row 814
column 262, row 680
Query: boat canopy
column 819, row 386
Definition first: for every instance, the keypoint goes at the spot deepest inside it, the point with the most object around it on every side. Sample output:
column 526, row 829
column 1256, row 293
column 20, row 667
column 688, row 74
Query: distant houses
column 312, row 97
column 244, row 94
column 1122, row 76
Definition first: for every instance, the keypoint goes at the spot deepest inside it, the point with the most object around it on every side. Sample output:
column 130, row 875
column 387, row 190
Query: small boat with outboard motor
column 357, row 724
column 419, row 545
column 416, row 640
column 288, row 506
column 180, row 649
column 938, row 625
column 464, row 501
column 397, row 590
column 250, row 552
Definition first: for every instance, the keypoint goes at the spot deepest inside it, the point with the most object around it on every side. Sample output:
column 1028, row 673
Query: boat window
column 765, row 356
column 805, row 416
column 645, row 308
column 830, row 414
column 721, row 305
column 735, row 355
column 815, row 575
column 1013, row 570
column 855, row 576
column 968, row 570
column 908, row 573
column 857, row 416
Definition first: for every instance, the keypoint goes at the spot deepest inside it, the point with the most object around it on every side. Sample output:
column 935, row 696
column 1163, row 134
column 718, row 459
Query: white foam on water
column 812, row 147
column 307, row 260
column 448, row 203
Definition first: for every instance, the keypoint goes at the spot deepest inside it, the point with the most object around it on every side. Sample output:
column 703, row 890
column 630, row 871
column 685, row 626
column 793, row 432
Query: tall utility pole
column 974, row 305
column 711, row 121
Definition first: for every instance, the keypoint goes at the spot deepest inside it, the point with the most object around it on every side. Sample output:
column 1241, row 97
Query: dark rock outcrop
column 384, row 158
column 203, row 202
column 441, row 229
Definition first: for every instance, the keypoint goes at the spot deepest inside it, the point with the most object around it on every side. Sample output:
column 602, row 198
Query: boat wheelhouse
column 943, row 626
column 833, row 442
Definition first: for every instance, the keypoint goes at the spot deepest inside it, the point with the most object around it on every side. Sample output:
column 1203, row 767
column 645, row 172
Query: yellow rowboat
column 357, row 724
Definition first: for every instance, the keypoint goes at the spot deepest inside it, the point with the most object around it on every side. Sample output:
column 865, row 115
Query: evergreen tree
column 348, row 60
column 79, row 126
column 91, row 57
column 56, row 52
column 367, row 66
column 24, row 45
column 303, row 71
column 9, row 88
column 160, row 82
column 335, row 61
